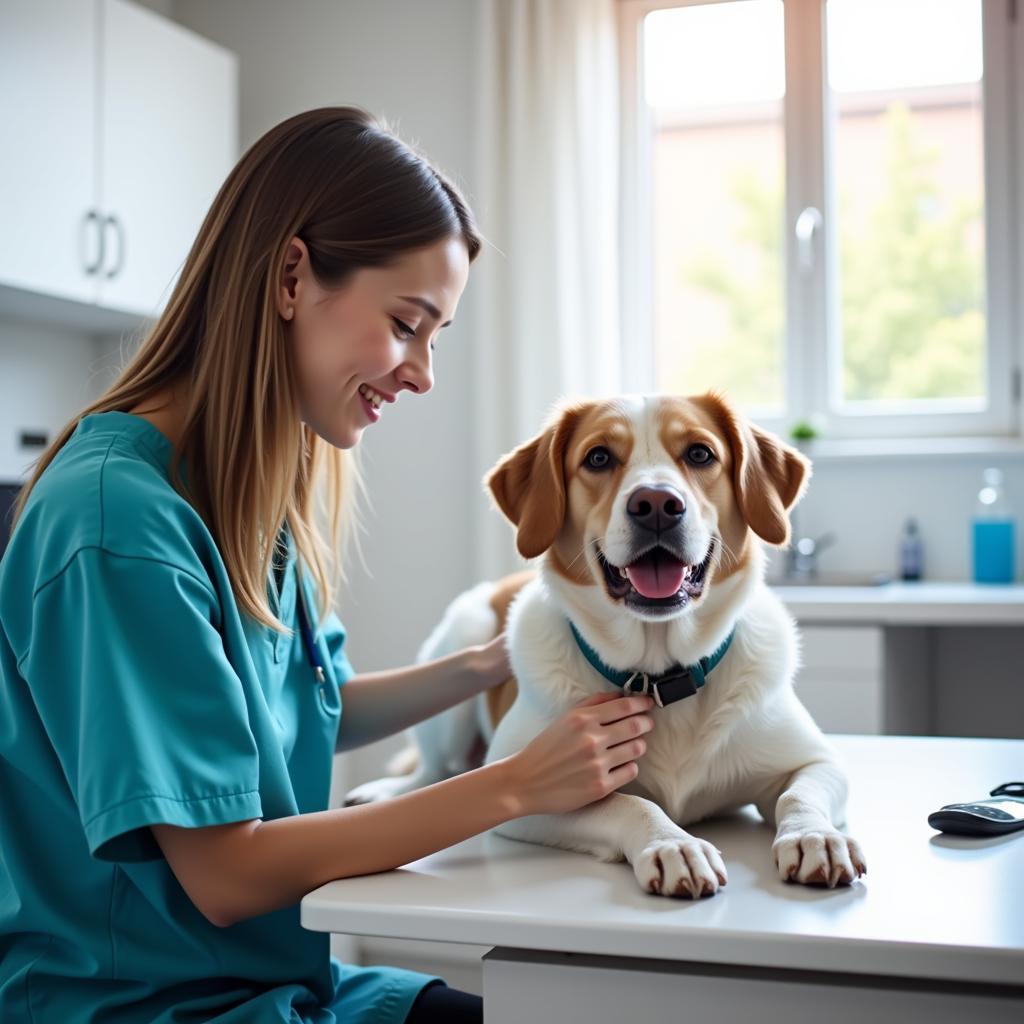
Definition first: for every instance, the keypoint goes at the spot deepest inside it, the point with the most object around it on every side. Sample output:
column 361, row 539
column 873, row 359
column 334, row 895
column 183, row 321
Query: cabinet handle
column 92, row 217
column 119, row 264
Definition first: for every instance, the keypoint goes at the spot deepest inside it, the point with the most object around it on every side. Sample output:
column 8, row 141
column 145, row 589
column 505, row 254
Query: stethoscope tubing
column 312, row 653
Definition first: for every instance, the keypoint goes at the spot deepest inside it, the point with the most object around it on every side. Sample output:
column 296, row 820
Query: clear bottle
column 911, row 551
column 993, row 545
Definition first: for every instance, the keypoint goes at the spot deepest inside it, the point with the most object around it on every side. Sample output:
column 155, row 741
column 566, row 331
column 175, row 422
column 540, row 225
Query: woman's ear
column 296, row 262
column 528, row 485
column 769, row 476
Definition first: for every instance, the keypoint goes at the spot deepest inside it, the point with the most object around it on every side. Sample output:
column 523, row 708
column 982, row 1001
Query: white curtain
column 548, row 280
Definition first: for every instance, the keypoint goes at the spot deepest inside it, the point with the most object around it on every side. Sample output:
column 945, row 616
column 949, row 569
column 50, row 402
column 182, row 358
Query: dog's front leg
column 808, row 846
column 665, row 859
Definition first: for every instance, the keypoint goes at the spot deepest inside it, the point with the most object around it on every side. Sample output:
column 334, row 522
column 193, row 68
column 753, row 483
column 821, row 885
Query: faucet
column 802, row 556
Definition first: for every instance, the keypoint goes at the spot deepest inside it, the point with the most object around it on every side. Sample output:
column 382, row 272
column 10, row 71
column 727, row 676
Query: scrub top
column 134, row 692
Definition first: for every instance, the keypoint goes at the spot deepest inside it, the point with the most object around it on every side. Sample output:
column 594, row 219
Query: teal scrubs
column 134, row 692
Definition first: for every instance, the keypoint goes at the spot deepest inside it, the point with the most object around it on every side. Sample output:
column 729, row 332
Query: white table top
column 904, row 604
column 931, row 905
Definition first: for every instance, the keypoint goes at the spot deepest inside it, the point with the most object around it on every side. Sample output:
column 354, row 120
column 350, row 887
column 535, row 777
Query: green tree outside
column 912, row 284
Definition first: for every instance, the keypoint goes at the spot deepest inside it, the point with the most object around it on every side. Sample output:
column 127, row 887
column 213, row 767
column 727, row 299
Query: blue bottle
column 993, row 529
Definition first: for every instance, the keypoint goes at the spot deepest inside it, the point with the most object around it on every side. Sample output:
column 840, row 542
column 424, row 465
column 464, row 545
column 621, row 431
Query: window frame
column 813, row 372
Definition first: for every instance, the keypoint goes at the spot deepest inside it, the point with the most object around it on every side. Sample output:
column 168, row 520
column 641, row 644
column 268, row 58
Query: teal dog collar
column 677, row 683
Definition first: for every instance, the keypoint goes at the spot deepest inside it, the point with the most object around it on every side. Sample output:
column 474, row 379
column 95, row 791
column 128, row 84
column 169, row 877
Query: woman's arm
column 379, row 704
column 233, row 872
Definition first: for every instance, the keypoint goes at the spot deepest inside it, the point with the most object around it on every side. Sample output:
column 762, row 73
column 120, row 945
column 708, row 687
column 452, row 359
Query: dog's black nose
column 656, row 508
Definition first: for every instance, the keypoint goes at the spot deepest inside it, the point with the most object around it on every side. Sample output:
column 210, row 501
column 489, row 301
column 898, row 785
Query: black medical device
column 1001, row 812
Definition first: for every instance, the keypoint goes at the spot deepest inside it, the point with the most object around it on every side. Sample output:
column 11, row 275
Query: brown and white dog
column 648, row 517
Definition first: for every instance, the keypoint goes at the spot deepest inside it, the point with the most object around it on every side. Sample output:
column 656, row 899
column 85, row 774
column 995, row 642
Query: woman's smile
column 372, row 400
column 369, row 408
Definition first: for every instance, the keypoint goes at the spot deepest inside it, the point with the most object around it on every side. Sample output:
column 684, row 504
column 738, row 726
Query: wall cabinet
column 120, row 126
column 49, row 60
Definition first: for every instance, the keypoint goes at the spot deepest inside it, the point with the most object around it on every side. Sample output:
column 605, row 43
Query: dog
column 648, row 517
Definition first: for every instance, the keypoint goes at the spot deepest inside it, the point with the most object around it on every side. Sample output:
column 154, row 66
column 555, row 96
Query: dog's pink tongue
column 656, row 575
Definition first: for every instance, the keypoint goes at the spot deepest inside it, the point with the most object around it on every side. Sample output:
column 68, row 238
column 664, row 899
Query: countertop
column 931, row 906
column 902, row 604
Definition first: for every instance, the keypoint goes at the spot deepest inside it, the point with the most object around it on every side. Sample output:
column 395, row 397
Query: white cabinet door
column 47, row 153
column 841, row 680
column 169, row 110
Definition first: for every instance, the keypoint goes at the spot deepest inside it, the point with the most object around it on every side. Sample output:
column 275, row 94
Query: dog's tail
column 405, row 762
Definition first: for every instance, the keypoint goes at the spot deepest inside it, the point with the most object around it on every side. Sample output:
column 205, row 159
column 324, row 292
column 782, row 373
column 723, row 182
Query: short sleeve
column 334, row 637
column 143, row 708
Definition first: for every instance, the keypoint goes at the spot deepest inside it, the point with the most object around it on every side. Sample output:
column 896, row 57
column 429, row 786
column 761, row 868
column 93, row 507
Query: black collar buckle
column 666, row 689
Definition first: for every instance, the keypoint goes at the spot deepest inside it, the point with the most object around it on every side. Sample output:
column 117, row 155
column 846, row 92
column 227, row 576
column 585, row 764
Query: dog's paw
column 818, row 857
column 379, row 789
column 686, row 867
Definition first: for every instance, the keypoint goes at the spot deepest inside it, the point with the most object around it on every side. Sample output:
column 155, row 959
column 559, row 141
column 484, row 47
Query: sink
column 835, row 579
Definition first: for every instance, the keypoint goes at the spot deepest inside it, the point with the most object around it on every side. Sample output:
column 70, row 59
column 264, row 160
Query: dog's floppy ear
column 528, row 485
column 769, row 477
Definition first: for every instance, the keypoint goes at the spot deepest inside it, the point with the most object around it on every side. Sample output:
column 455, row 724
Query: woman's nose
column 417, row 375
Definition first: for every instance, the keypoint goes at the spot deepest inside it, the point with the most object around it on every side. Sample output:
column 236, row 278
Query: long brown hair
column 358, row 197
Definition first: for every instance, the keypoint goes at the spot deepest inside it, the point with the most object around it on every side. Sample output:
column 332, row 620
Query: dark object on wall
column 8, row 492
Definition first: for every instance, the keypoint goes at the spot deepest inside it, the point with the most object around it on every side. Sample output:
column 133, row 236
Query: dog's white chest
column 683, row 770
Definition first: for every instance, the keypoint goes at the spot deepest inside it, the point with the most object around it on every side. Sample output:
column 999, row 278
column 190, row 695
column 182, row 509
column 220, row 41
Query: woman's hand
column 583, row 756
column 491, row 662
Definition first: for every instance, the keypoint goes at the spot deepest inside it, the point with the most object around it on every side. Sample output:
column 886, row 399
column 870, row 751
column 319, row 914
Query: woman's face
column 357, row 347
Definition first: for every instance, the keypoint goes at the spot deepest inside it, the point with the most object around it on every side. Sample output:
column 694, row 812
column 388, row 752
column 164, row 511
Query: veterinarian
column 171, row 675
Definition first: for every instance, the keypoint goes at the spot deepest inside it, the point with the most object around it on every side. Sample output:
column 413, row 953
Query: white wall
column 45, row 379
column 865, row 502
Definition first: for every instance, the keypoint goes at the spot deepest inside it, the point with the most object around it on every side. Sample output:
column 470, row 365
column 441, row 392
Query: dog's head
column 653, row 499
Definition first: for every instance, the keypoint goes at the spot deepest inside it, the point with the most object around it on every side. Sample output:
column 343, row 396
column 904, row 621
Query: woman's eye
column 598, row 458
column 700, row 454
column 404, row 329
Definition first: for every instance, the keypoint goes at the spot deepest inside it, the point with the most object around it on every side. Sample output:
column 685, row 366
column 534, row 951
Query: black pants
column 439, row 1004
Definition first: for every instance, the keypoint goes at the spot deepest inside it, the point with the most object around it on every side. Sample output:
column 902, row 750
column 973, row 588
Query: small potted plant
column 803, row 432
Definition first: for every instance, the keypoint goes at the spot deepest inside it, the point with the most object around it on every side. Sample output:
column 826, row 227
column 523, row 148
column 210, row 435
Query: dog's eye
column 700, row 454
column 598, row 458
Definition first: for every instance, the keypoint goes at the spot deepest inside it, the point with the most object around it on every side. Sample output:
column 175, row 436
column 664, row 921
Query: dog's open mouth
column 657, row 579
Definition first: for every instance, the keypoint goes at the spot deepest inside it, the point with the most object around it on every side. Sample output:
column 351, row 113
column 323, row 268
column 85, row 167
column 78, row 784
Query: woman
column 165, row 737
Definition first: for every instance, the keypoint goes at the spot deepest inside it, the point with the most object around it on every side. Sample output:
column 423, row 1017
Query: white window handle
column 807, row 225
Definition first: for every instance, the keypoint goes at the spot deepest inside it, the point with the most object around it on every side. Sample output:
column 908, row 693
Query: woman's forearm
column 379, row 704
column 275, row 863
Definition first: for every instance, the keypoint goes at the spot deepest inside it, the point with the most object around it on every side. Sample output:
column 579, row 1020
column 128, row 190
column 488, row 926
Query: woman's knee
column 439, row 1004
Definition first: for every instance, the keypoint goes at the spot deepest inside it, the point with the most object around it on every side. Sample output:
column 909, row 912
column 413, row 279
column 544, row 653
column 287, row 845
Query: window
column 819, row 210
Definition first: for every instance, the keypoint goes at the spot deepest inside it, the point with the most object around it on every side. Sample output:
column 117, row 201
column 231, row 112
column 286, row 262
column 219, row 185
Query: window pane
column 905, row 78
column 715, row 80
